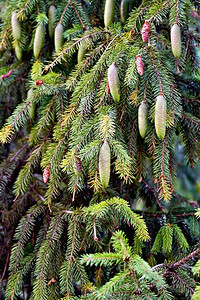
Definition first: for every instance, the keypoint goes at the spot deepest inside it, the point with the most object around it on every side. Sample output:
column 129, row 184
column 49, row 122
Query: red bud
column 39, row 82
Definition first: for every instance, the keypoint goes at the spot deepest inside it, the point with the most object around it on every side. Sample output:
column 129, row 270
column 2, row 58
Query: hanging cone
column 160, row 116
column 145, row 31
column 139, row 64
column 46, row 174
column 176, row 40
column 142, row 119
column 109, row 12
column 104, row 164
column 113, row 81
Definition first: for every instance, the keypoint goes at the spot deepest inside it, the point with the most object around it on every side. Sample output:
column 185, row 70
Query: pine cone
column 39, row 40
column 16, row 27
column 18, row 52
column 58, row 38
column 139, row 64
column 46, row 174
column 78, row 164
column 114, row 82
column 160, row 116
column 104, row 164
column 145, row 31
column 142, row 119
column 176, row 40
column 52, row 16
column 109, row 12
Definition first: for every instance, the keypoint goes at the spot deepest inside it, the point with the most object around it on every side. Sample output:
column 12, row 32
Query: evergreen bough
column 68, row 233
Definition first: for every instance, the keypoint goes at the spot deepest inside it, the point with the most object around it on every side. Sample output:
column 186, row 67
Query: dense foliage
column 99, row 115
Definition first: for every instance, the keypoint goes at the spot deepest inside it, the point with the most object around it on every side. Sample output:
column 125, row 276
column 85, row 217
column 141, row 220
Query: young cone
column 109, row 12
column 139, row 64
column 176, row 40
column 18, row 52
column 142, row 119
column 39, row 40
column 52, row 16
column 113, row 81
column 58, row 38
column 160, row 116
column 145, row 31
column 124, row 10
column 81, row 52
column 16, row 27
column 104, row 164
column 46, row 174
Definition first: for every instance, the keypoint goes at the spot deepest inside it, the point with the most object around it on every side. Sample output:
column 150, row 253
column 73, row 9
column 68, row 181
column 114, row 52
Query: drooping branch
column 185, row 259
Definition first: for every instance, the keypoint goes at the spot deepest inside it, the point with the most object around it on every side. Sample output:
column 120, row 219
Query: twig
column 8, row 256
column 69, row 48
column 164, row 4
column 36, row 192
column 179, row 279
column 154, row 193
column 156, row 69
column 18, row 152
column 64, row 11
column 83, row 25
column 185, row 259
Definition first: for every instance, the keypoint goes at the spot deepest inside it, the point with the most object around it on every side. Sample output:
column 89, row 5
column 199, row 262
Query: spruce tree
column 99, row 100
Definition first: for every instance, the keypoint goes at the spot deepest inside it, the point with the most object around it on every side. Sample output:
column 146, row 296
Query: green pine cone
column 142, row 119
column 104, row 164
column 58, row 38
column 176, row 40
column 124, row 10
column 39, row 40
column 109, row 12
column 81, row 51
column 16, row 27
column 113, row 81
column 160, row 116
column 51, row 24
column 18, row 52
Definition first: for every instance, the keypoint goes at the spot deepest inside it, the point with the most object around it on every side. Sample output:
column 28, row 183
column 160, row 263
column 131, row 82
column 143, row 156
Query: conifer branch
column 5, row 42
column 78, row 15
column 175, row 275
column 141, row 11
column 185, row 259
column 25, row 6
column 156, row 70
column 177, row 10
column 50, row 66
column 151, row 189
column 64, row 11
column 159, row 10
